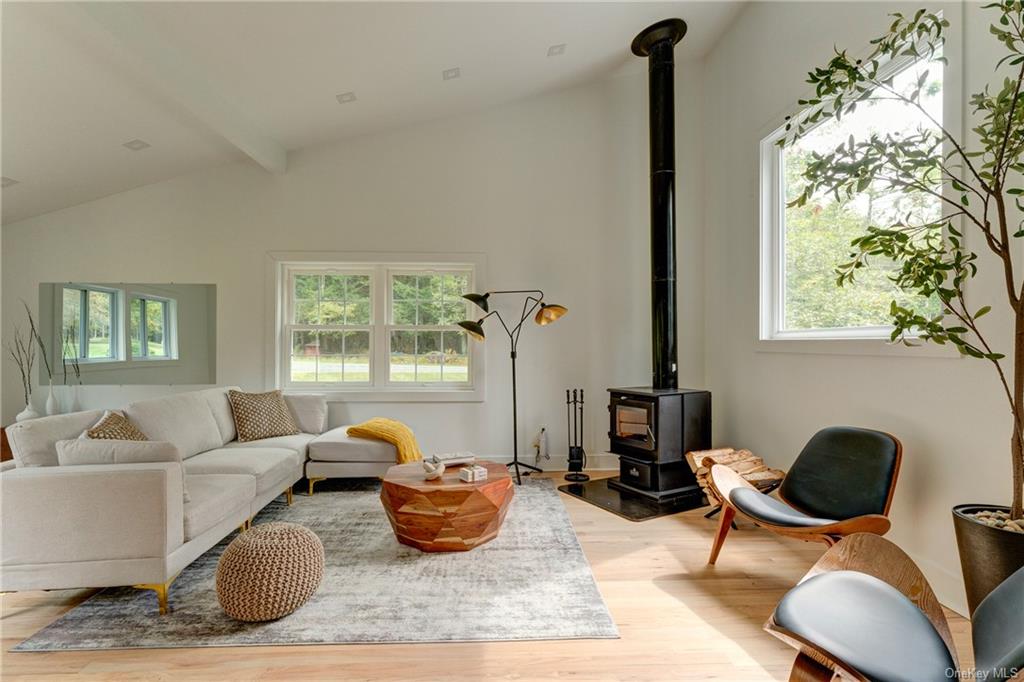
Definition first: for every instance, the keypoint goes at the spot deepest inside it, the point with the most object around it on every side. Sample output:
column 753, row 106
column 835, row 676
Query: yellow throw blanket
column 390, row 431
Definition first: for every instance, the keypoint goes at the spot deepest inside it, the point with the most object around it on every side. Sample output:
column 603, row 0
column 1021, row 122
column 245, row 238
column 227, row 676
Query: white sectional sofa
column 127, row 524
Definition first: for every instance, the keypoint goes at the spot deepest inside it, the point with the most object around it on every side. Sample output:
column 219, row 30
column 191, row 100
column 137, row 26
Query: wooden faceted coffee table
column 446, row 514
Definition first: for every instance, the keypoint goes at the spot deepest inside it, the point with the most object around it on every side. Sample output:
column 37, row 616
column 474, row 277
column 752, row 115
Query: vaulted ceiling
column 207, row 83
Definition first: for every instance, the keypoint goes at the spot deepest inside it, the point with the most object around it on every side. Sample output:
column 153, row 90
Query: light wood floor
column 679, row 620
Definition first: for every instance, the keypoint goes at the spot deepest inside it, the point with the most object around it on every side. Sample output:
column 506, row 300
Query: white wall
column 949, row 413
column 552, row 189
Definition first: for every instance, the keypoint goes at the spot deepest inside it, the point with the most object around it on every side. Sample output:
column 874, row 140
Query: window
column 90, row 323
column 426, row 345
column 94, row 320
column 330, row 330
column 369, row 327
column 802, row 246
column 151, row 328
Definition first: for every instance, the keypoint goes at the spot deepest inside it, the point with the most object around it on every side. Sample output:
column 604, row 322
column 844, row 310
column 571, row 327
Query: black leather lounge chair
column 842, row 483
column 866, row 612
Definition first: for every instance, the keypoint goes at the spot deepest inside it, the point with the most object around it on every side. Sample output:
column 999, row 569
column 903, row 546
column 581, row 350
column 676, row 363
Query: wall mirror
column 97, row 333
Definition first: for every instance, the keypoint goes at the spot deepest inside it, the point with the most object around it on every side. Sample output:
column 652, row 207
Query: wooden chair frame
column 724, row 480
column 870, row 554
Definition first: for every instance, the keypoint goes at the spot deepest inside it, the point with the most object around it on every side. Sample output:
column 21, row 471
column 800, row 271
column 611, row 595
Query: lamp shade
column 479, row 299
column 549, row 312
column 474, row 329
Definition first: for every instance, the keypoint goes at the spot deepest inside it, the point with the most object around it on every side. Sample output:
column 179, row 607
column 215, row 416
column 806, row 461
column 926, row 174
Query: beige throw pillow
column 309, row 411
column 114, row 426
column 261, row 415
column 104, row 451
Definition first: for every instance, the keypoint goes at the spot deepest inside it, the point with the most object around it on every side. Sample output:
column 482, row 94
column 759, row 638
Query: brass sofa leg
column 161, row 590
column 288, row 495
column 311, row 482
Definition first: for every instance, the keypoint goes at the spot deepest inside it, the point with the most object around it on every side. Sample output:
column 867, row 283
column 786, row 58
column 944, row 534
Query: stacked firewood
column 744, row 462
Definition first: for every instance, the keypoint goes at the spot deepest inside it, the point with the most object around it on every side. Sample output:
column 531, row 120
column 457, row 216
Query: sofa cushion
column 337, row 446
column 214, row 497
column 217, row 399
column 184, row 419
column 261, row 415
column 113, row 426
column 34, row 442
column 79, row 451
column 298, row 443
column 309, row 412
column 270, row 466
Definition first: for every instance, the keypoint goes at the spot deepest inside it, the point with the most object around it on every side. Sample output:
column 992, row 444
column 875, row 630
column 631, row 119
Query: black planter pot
column 988, row 555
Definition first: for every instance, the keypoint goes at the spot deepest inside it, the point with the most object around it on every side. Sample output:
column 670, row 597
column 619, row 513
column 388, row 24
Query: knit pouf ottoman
column 269, row 571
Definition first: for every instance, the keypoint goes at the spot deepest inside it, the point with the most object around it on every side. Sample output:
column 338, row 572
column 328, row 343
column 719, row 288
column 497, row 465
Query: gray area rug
column 531, row 582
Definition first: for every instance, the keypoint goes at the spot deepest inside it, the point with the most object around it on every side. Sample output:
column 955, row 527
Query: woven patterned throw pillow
column 261, row 415
column 114, row 426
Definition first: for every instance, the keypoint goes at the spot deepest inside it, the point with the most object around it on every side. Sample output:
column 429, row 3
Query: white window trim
column 279, row 263
column 288, row 278
column 842, row 341
column 123, row 358
column 170, row 327
column 117, row 327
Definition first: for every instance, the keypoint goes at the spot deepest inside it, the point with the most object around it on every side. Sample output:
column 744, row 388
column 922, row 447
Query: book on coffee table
column 451, row 459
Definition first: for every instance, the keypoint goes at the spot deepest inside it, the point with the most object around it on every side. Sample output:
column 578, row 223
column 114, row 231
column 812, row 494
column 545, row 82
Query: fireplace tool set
column 574, row 424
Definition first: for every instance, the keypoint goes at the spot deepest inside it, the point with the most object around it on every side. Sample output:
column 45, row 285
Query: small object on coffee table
column 446, row 514
column 473, row 473
column 432, row 470
column 453, row 459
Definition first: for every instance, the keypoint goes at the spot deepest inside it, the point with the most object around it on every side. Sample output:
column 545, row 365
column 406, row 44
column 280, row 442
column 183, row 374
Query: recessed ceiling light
column 346, row 97
column 556, row 50
column 7, row 182
column 136, row 145
column 451, row 74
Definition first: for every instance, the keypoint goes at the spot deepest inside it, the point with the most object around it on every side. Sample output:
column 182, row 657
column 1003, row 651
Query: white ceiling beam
column 184, row 80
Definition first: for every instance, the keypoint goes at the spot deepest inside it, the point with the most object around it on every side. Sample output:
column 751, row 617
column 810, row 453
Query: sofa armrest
column 90, row 512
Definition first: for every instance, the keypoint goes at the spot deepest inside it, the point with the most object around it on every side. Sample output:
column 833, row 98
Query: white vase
column 28, row 413
column 52, row 407
column 76, row 405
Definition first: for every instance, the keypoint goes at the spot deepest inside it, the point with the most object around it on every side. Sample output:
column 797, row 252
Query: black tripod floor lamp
column 546, row 313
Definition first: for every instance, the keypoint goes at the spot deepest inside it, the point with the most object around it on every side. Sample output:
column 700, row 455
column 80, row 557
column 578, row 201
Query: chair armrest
column 90, row 512
column 724, row 480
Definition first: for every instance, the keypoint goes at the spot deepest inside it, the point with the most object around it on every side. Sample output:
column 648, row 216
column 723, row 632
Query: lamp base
column 577, row 477
column 515, row 463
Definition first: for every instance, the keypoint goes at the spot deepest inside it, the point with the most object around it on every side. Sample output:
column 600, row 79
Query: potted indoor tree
column 975, row 184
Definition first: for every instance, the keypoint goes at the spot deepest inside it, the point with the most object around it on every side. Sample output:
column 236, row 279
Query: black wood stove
column 652, row 428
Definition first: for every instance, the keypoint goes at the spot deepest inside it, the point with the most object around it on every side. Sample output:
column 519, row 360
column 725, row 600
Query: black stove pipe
column 657, row 43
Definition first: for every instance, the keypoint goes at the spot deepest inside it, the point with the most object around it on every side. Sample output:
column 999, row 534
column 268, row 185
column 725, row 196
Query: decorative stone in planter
column 991, row 548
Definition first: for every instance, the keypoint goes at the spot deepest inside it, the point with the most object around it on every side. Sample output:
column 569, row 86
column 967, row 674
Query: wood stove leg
column 724, row 524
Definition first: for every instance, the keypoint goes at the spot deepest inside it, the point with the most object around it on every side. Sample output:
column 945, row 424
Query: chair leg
column 311, row 482
column 724, row 524
column 288, row 495
column 161, row 590
column 806, row 669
